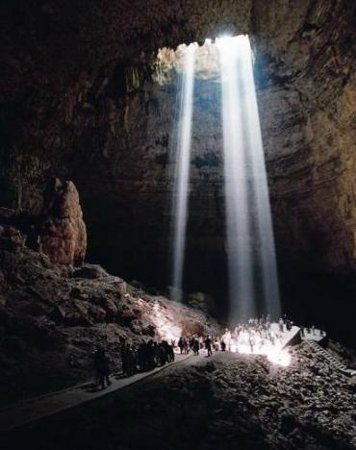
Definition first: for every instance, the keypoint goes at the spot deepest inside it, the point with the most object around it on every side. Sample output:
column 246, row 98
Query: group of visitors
column 195, row 344
column 145, row 356
column 256, row 336
column 135, row 358
column 311, row 330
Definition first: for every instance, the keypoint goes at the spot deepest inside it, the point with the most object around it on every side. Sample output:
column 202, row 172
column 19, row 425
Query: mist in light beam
column 253, row 282
column 181, row 176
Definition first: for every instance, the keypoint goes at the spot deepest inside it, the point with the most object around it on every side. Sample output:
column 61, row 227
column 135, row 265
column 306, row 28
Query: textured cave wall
column 77, row 101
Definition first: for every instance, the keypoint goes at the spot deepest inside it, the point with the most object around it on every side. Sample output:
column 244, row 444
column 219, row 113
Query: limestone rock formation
column 63, row 236
column 55, row 316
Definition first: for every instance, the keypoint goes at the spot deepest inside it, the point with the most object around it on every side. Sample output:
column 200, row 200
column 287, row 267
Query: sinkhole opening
column 207, row 58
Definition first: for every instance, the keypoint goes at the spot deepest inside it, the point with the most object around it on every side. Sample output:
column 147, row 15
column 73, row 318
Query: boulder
column 110, row 308
column 122, row 287
column 90, row 271
column 63, row 235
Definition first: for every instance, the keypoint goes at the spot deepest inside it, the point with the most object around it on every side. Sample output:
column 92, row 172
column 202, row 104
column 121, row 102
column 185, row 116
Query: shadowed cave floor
column 226, row 402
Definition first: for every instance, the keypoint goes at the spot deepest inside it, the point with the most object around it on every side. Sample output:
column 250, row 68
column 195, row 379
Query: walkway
column 289, row 337
column 316, row 335
column 32, row 409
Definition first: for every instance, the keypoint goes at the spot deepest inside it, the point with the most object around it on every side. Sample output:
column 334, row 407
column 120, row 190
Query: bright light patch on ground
column 249, row 342
column 282, row 357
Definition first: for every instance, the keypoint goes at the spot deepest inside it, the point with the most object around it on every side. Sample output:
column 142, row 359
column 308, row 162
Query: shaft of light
column 182, row 162
column 235, row 172
column 259, row 183
column 250, row 242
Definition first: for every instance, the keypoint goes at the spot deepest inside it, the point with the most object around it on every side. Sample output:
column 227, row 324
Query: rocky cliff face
column 78, row 101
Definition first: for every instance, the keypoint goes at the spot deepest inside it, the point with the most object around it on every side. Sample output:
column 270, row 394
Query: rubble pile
column 239, row 401
column 225, row 402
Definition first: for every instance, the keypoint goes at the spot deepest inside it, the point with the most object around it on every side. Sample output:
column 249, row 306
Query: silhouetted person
column 281, row 325
column 251, row 343
column 128, row 360
column 142, row 357
column 169, row 351
column 196, row 347
column 181, row 344
column 186, row 346
column 161, row 354
column 101, row 366
column 150, row 354
column 223, row 346
column 208, row 345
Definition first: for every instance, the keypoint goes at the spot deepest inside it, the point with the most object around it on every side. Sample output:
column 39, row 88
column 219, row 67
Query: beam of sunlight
column 181, row 177
column 236, row 195
column 250, row 242
column 265, row 236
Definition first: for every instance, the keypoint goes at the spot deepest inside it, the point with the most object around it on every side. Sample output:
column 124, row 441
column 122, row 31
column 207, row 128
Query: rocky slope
column 53, row 316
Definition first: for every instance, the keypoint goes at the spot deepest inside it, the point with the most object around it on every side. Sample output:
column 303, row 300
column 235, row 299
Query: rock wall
column 77, row 101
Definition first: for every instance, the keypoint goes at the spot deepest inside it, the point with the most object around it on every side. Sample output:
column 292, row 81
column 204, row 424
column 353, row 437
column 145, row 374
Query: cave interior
column 83, row 99
column 89, row 112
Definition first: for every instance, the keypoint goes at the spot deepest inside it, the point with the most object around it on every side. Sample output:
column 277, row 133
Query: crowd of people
column 257, row 336
column 140, row 358
column 244, row 338
column 145, row 356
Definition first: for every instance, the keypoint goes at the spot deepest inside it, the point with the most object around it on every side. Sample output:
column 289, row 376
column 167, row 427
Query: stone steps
column 336, row 363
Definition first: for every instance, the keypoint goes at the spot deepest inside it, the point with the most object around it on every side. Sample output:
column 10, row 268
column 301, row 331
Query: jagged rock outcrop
column 63, row 235
column 52, row 316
